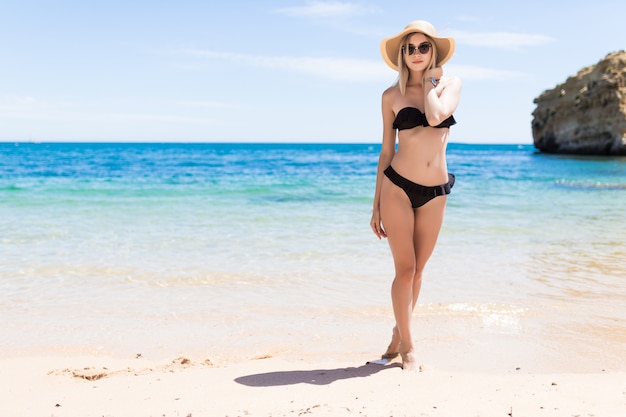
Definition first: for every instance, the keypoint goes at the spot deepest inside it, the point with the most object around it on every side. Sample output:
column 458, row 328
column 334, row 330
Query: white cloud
column 15, row 103
column 13, row 107
column 504, row 40
column 339, row 69
column 317, row 9
column 141, row 118
column 207, row 104
column 470, row 72
column 92, row 117
column 351, row 70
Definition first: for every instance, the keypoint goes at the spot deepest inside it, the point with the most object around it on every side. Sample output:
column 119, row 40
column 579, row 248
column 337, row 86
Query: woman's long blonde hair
column 403, row 69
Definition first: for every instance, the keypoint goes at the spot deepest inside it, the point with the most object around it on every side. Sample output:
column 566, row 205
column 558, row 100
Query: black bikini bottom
column 419, row 194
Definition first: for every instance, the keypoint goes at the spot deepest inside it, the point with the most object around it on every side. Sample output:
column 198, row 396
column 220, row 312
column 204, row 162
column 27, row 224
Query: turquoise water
column 228, row 247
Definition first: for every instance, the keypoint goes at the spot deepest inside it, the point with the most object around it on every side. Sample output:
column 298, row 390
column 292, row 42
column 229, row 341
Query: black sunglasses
column 422, row 48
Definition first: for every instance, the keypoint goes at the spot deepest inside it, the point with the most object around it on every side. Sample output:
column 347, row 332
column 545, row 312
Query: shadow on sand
column 314, row 377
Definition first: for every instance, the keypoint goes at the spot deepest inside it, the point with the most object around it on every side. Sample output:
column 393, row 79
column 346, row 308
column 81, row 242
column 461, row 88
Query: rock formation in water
column 587, row 113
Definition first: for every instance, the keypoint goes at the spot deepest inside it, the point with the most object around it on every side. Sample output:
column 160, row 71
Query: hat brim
column 389, row 47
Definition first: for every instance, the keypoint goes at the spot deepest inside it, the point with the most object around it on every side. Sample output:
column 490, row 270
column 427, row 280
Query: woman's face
column 419, row 59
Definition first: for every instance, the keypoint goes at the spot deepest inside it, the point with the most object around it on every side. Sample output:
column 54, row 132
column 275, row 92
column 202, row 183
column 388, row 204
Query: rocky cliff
column 587, row 113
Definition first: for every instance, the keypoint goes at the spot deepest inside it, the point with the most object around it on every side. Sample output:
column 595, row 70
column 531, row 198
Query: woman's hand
column 436, row 73
column 377, row 226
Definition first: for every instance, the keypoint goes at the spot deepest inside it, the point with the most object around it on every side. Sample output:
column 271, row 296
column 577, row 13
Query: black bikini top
column 410, row 117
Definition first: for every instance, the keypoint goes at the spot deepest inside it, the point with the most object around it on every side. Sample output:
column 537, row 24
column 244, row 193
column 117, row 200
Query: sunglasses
column 422, row 48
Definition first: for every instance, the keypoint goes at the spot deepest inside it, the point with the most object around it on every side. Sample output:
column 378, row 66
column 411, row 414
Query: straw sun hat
column 389, row 47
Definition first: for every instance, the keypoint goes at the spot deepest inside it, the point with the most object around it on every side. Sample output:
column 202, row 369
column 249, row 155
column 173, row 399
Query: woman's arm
column 387, row 152
column 440, row 101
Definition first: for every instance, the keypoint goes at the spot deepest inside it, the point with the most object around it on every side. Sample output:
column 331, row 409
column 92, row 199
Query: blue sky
column 276, row 71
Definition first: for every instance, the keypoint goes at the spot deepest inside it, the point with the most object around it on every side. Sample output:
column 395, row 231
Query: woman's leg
column 428, row 221
column 398, row 218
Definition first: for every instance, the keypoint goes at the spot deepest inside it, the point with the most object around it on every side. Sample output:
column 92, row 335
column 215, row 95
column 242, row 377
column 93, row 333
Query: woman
column 412, row 182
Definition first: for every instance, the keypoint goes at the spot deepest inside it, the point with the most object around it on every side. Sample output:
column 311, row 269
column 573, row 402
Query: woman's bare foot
column 393, row 349
column 408, row 362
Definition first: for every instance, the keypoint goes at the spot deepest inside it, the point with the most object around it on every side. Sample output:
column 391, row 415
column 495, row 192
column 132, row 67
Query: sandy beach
column 267, row 386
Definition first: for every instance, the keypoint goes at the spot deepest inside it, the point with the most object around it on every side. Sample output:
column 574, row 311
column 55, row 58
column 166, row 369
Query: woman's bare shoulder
column 391, row 93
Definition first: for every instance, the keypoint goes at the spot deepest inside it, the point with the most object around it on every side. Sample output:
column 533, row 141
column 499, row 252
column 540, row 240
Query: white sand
column 57, row 386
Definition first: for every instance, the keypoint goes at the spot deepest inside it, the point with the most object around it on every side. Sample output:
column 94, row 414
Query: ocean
column 235, row 251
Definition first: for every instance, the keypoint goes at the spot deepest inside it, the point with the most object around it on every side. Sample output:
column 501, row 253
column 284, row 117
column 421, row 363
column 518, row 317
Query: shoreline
column 468, row 371
column 491, row 361
column 451, row 337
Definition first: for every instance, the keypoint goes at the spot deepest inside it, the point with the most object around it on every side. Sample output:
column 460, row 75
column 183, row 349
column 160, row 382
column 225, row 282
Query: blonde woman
column 412, row 181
